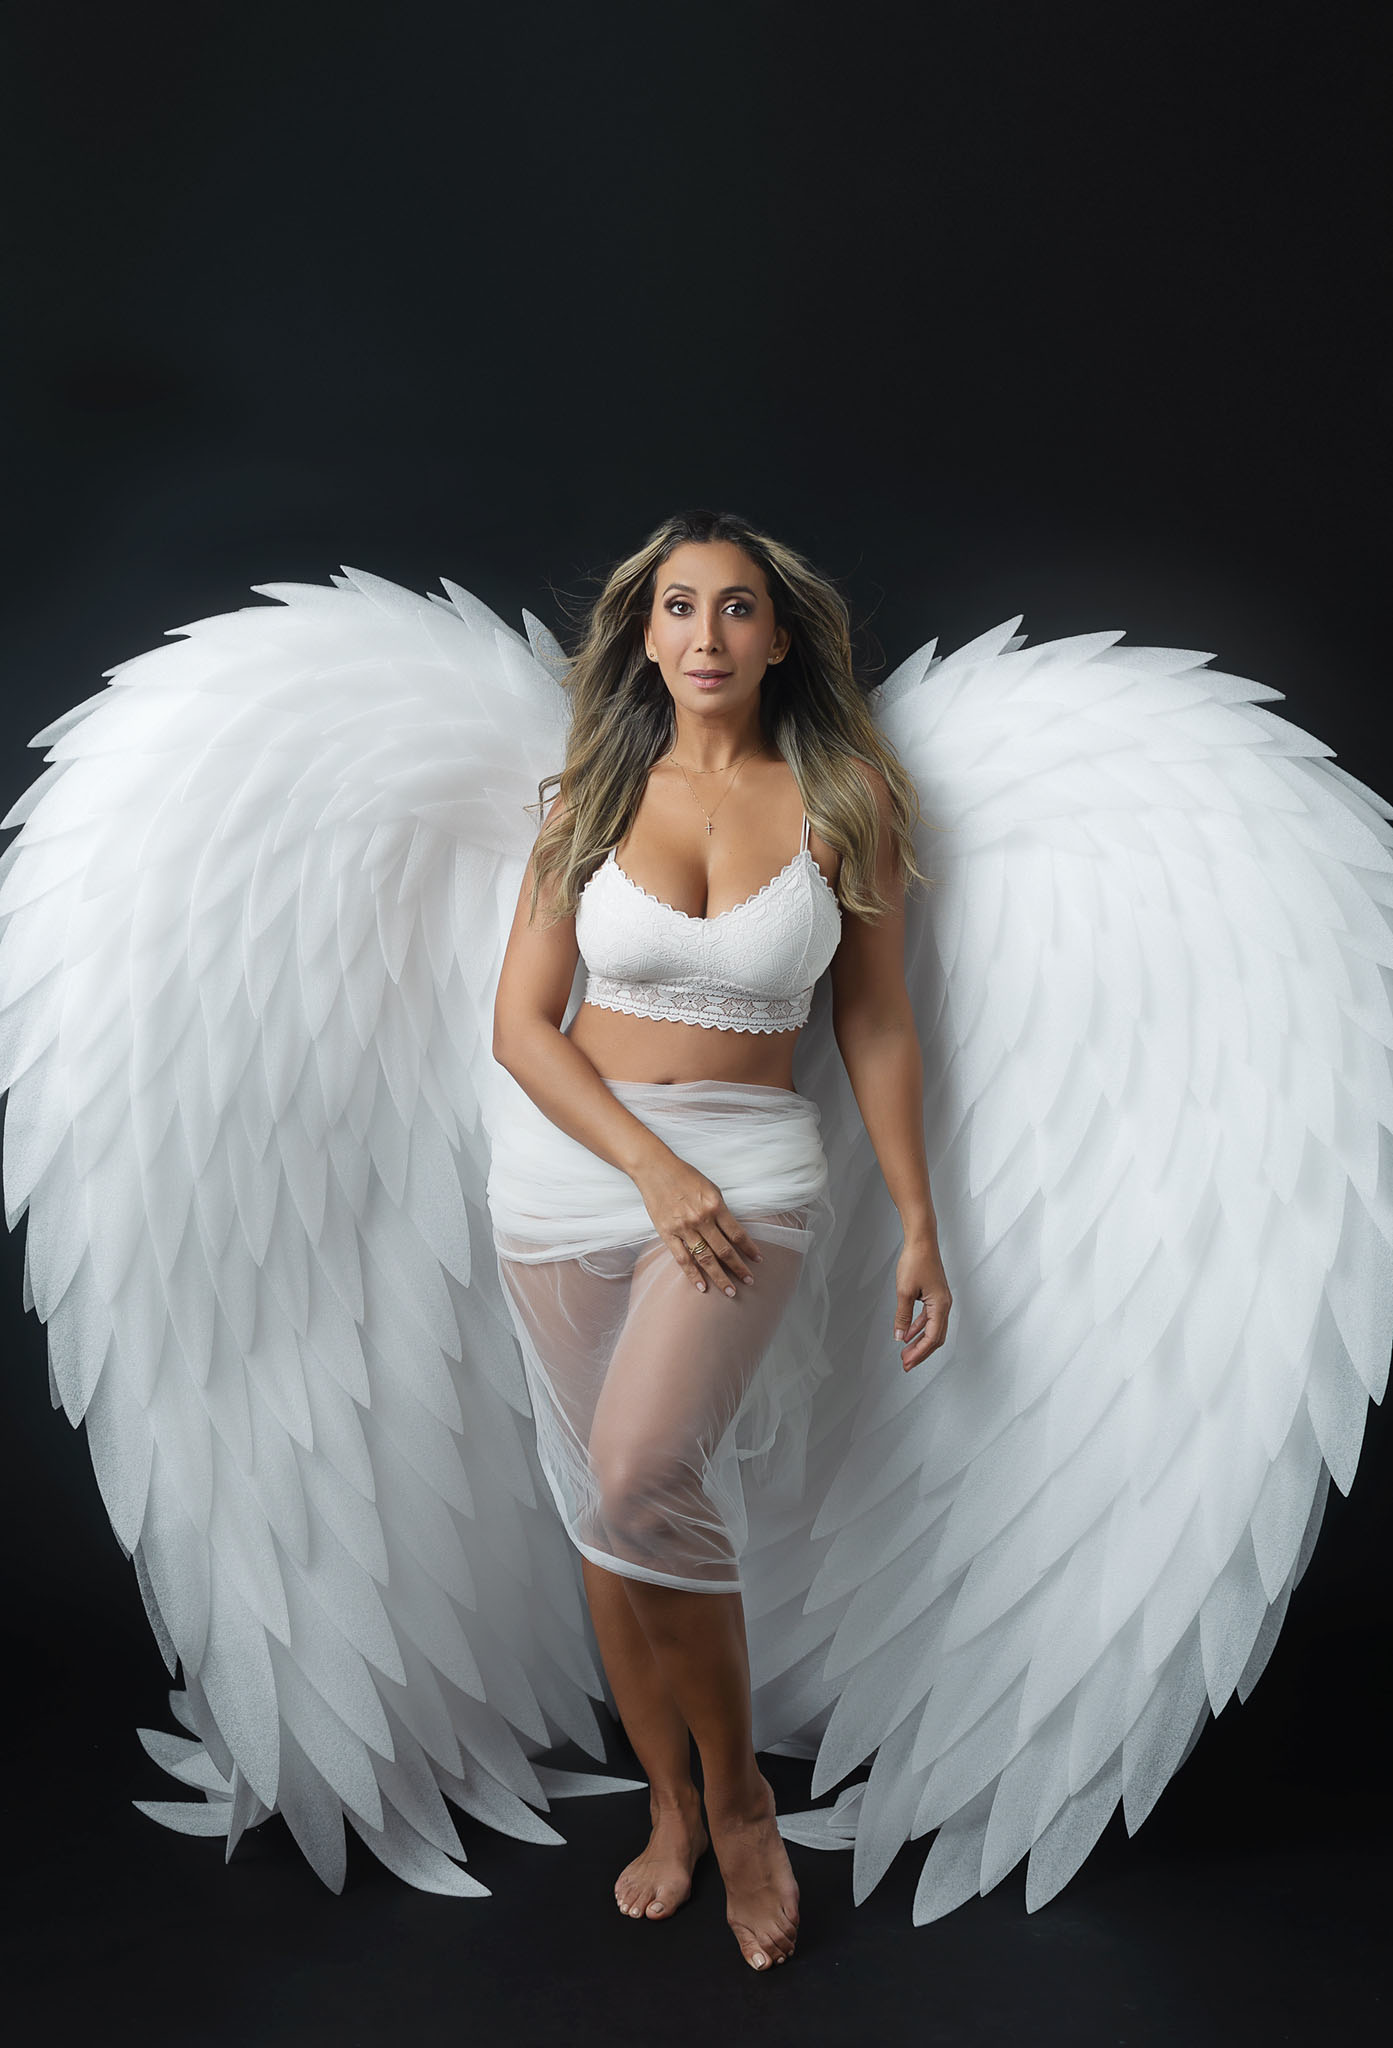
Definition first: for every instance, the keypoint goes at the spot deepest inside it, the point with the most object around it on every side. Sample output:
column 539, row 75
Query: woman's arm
column 873, row 1022
column 534, row 986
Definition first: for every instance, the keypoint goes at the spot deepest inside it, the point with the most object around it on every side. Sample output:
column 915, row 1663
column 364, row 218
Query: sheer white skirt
column 656, row 1405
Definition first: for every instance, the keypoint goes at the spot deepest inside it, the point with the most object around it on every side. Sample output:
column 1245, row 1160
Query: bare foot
column 761, row 1890
column 656, row 1883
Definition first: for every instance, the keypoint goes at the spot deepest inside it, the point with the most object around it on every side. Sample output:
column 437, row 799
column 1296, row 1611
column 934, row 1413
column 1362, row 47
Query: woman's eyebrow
column 729, row 589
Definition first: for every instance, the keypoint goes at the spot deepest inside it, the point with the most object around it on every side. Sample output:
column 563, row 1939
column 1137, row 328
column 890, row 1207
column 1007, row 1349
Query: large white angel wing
column 252, row 930
column 1153, row 999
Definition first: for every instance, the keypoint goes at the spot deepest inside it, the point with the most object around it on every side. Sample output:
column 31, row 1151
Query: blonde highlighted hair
column 813, row 710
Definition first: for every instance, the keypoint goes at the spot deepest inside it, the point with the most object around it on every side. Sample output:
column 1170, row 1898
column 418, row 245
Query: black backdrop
column 1066, row 311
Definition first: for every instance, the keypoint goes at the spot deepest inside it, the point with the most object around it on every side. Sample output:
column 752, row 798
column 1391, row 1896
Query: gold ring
column 700, row 1246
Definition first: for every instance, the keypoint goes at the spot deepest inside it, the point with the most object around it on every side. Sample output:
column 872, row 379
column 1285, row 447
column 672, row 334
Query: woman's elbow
column 513, row 1030
column 858, row 1021
column 504, row 1033
column 505, row 1042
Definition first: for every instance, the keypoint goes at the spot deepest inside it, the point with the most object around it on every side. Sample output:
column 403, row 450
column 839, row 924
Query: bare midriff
column 625, row 1048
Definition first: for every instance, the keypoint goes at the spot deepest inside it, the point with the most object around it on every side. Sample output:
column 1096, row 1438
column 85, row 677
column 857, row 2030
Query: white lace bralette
column 750, row 968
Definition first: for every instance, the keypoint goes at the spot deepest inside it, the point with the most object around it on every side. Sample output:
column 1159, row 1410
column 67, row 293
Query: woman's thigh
column 682, row 1360
column 571, row 1310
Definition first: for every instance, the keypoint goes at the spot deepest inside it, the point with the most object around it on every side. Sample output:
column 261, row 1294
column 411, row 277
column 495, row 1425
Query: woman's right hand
column 687, row 1209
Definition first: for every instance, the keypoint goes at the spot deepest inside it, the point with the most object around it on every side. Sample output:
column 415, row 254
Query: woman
column 254, row 925
column 715, row 712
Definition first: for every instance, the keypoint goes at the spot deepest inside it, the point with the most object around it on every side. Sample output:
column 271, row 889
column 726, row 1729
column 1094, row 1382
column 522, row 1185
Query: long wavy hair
column 812, row 708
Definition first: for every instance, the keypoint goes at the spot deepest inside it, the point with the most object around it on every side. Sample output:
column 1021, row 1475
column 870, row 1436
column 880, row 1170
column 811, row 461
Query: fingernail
column 899, row 1336
column 701, row 1287
column 759, row 1255
column 748, row 1278
column 731, row 1292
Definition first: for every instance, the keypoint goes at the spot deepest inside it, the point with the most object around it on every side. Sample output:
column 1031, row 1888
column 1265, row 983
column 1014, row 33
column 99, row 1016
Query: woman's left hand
column 919, row 1276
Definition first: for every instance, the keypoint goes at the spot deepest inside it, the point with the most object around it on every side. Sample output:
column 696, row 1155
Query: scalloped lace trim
column 720, row 1009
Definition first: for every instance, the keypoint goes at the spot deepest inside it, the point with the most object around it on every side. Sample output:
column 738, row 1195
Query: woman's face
column 712, row 612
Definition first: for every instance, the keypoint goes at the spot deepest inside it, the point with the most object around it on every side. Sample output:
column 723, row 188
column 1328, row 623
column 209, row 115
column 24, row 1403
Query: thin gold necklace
column 710, row 815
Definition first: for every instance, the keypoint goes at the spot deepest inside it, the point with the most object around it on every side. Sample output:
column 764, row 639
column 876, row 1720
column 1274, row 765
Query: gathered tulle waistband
column 716, row 1098
column 550, row 1196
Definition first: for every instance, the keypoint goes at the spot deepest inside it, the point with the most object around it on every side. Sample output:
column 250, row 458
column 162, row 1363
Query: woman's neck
column 709, row 746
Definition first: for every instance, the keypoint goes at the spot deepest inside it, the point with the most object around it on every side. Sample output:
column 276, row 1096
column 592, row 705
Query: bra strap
column 804, row 845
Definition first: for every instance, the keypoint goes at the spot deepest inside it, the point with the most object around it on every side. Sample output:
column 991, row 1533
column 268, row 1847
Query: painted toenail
column 758, row 1960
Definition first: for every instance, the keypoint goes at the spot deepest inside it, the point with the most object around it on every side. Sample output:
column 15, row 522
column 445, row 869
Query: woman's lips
column 707, row 681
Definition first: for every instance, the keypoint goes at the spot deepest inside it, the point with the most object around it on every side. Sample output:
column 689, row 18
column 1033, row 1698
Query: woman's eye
column 738, row 601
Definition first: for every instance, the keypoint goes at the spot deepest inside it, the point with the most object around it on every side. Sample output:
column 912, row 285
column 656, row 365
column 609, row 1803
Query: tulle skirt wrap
column 664, row 1415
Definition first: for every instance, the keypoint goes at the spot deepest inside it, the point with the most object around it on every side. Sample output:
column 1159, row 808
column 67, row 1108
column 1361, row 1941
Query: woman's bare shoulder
column 875, row 782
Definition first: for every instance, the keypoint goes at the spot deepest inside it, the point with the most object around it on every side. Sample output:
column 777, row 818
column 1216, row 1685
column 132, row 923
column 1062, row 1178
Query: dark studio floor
column 1250, row 1908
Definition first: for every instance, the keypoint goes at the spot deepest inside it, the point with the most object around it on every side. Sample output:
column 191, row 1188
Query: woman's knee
column 647, row 1495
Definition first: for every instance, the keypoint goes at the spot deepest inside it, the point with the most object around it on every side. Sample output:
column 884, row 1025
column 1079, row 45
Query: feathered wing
column 1152, row 992
column 252, row 930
